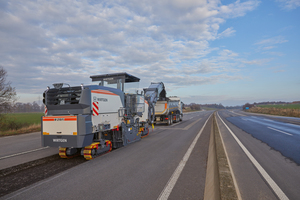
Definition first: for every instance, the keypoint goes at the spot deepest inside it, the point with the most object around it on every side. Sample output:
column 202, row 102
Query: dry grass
column 276, row 111
column 27, row 129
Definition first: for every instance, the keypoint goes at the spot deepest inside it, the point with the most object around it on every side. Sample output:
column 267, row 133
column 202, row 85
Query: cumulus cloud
column 42, row 42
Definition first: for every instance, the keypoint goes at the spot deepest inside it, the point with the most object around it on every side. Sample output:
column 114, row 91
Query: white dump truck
column 168, row 110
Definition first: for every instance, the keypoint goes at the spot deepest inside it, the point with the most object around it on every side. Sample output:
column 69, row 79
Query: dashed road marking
column 280, row 131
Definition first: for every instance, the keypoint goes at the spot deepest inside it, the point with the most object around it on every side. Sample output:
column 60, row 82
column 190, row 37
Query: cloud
column 269, row 47
column 227, row 33
column 227, row 53
column 272, row 53
column 42, row 42
column 257, row 61
column 272, row 41
column 289, row 4
column 238, row 9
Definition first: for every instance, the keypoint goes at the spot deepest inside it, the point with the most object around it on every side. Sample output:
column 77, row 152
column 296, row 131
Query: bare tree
column 7, row 93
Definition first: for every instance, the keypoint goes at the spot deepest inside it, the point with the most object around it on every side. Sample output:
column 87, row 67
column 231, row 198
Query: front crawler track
column 92, row 151
column 63, row 153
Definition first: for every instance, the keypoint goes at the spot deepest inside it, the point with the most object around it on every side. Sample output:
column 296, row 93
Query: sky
column 205, row 51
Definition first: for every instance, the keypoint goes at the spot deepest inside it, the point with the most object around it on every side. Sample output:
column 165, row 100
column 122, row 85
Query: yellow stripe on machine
column 46, row 133
column 87, row 151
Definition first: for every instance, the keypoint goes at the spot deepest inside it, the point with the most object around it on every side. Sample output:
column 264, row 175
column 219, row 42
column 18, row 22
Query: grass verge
column 19, row 123
column 27, row 129
column 276, row 111
column 282, row 106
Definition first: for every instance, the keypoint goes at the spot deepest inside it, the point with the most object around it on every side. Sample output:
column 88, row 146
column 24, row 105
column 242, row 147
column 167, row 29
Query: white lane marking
column 63, row 173
column 164, row 195
column 280, row 131
column 244, row 119
column 17, row 154
column 263, row 172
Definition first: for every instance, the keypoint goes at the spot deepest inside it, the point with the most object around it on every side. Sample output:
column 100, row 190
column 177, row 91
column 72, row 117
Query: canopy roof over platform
column 115, row 76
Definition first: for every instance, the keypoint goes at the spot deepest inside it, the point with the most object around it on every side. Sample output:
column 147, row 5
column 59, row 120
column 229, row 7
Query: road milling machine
column 92, row 119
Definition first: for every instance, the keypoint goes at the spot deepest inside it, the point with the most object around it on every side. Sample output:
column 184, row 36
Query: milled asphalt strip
column 164, row 195
column 263, row 172
column 17, row 154
column 280, row 131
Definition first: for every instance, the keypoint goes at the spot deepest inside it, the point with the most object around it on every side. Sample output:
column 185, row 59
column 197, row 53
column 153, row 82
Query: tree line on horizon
column 195, row 106
column 27, row 107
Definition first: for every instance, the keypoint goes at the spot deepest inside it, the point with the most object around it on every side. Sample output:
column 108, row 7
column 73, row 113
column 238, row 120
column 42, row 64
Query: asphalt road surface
column 18, row 149
column 168, row 164
column 264, row 154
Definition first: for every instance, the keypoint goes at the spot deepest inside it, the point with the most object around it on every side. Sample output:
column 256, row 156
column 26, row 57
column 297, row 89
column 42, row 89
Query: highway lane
column 280, row 136
column 142, row 170
column 291, row 120
column 18, row 149
column 274, row 147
